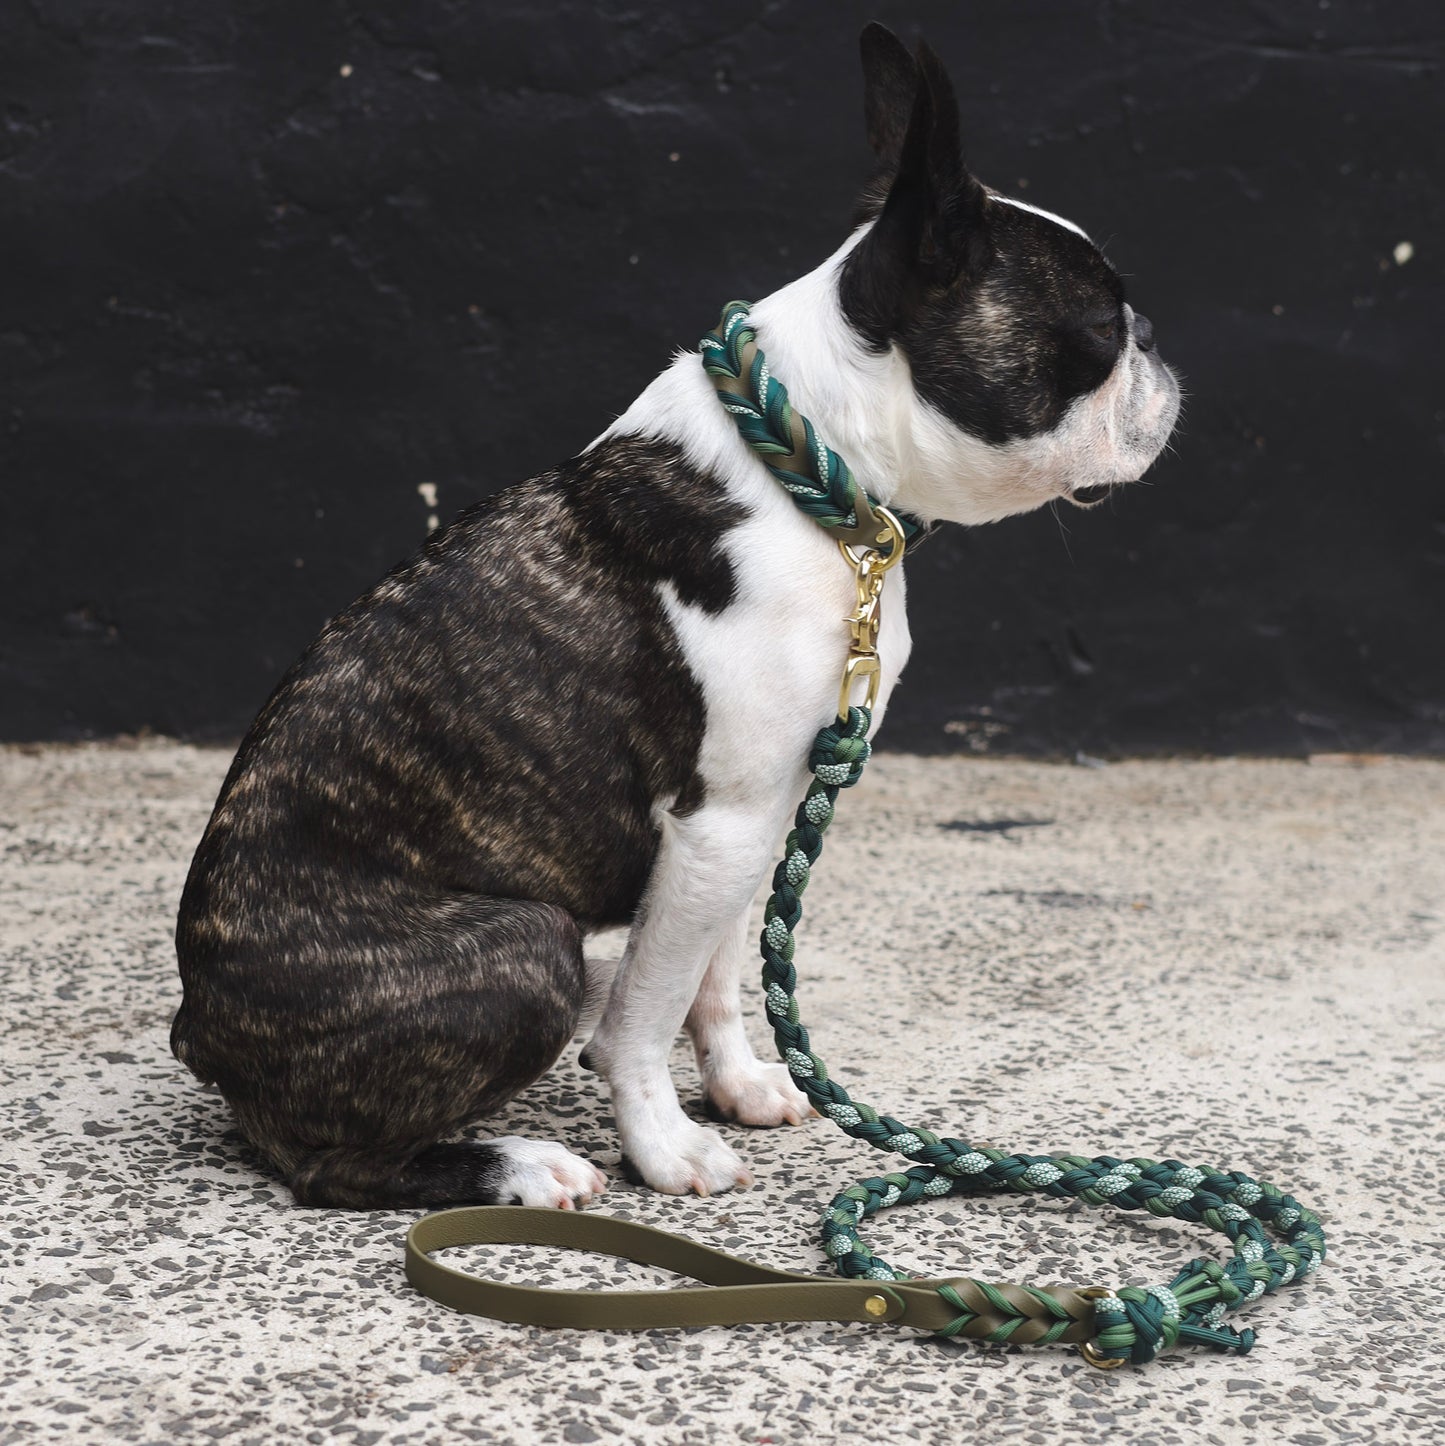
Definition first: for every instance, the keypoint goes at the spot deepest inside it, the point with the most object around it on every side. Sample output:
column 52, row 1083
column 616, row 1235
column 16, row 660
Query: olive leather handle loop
column 734, row 1291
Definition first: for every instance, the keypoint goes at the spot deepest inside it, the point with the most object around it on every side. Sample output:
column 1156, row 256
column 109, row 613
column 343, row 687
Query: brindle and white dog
column 588, row 701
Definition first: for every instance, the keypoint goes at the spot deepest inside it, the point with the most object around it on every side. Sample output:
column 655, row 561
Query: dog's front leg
column 736, row 1084
column 709, row 866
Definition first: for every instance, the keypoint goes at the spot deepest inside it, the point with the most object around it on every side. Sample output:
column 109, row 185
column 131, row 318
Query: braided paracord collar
column 1132, row 1324
column 818, row 480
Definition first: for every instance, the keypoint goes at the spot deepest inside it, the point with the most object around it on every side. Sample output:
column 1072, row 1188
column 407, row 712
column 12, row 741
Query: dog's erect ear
column 931, row 229
column 890, row 78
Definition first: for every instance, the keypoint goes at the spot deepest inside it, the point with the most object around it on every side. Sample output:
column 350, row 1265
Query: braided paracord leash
column 1132, row 1324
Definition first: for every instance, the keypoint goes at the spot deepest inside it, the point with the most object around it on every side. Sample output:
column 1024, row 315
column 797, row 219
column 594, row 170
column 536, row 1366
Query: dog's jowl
column 588, row 701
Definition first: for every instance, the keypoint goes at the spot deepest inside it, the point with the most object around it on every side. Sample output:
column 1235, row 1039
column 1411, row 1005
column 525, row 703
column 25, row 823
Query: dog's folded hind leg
column 507, row 1171
column 600, row 974
column 433, row 1013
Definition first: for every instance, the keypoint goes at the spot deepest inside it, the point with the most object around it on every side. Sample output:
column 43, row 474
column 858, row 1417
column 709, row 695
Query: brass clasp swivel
column 870, row 566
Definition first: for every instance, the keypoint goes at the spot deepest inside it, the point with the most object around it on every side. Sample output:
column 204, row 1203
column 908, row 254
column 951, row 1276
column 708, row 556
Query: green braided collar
column 818, row 480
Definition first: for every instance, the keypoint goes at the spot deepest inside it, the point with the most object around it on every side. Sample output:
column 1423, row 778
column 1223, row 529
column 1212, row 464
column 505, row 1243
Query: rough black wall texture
column 272, row 272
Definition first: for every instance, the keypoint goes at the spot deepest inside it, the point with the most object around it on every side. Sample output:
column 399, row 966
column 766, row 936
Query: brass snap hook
column 869, row 564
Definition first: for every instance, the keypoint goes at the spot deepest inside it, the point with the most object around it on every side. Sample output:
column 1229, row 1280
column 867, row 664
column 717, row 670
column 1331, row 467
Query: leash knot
column 1137, row 1322
column 841, row 749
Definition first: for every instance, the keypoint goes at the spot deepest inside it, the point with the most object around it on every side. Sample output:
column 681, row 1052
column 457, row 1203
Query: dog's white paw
column 756, row 1094
column 685, row 1159
column 541, row 1173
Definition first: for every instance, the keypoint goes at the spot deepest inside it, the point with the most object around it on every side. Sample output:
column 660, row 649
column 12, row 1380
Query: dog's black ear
column 931, row 229
column 955, row 236
column 890, row 79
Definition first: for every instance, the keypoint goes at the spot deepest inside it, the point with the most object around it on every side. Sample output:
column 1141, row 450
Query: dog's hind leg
column 375, row 1033
column 601, row 974
column 507, row 1171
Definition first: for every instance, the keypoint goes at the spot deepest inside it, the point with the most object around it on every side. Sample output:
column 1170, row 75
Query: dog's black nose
column 1143, row 333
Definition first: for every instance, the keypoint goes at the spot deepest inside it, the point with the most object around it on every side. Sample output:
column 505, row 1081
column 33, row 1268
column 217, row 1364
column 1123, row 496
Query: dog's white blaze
column 1039, row 211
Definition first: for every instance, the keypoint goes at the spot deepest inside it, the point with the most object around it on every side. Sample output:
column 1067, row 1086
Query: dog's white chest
column 770, row 664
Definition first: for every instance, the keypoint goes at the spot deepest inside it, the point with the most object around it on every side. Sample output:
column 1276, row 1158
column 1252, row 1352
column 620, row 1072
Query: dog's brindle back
column 413, row 957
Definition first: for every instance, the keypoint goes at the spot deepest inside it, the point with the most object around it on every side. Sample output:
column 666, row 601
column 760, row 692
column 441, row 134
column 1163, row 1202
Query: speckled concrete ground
column 1238, row 963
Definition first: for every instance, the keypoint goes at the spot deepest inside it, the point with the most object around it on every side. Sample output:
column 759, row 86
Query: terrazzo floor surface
column 1237, row 963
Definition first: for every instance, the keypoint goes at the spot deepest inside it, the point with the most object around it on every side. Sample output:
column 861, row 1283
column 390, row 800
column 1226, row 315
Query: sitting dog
column 589, row 700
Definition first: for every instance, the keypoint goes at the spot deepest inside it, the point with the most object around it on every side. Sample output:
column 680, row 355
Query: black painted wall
column 271, row 272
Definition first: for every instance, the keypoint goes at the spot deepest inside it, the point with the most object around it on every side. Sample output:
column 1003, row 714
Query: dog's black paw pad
column 585, row 1061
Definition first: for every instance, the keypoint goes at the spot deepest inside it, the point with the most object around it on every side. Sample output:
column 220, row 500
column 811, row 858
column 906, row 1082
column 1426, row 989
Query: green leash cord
column 1133, row 1324
column 1111, row 1327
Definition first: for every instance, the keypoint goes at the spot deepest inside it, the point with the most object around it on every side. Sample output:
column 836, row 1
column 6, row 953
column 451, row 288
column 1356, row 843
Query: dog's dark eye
column 1105, row 330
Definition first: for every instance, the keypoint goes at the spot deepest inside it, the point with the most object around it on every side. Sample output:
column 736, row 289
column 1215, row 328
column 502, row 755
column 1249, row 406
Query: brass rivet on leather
column 876, row 1306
